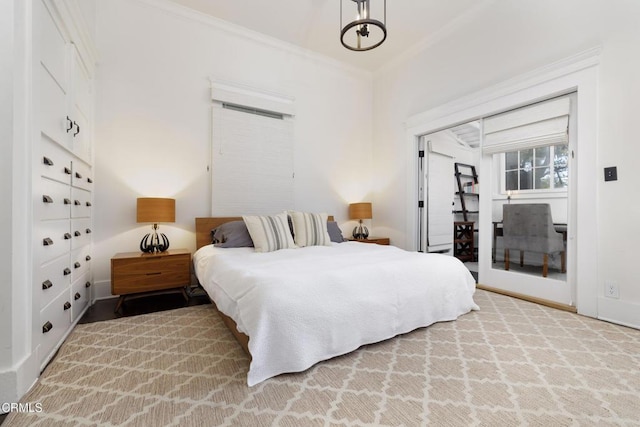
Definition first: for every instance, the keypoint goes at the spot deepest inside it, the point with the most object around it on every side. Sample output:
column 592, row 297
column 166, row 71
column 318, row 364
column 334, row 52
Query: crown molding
column 254, row 36
column 433, row 39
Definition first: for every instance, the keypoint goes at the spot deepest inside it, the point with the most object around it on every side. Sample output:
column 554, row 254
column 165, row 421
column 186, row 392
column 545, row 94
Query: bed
column 292, row 308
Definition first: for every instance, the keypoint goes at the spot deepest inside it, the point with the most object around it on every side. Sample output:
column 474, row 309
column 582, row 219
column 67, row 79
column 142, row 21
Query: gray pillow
column 335, row 234
column 232, row 234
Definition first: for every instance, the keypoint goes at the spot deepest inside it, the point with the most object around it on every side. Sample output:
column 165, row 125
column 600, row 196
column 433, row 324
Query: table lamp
column 360, row 211
column 155, row 210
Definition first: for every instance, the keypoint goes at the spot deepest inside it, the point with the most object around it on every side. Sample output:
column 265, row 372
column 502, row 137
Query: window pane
column 511, row 180
column 542, row 156
column 526, row 160
column 542, row 178
column 526, row 179
column 560, row 166
column 511, row 160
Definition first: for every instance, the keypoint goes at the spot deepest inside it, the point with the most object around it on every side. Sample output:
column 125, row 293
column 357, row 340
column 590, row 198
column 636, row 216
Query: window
column 539, row 169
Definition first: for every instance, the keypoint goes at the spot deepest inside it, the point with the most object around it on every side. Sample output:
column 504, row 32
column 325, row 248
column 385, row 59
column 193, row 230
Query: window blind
column 537, row 125
column 252, row 162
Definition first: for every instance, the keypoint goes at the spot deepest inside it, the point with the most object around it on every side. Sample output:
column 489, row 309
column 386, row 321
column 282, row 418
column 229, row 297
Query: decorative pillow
column 310, row 229
column 335, row 234
column 233, row 234
column 269, row 233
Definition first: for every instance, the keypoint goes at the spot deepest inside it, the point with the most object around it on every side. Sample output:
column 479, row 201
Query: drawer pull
column 67, row 201
column 67, row 305
column 47, row 161
column 67, row 170
column 87, row 285
column 47, row 284
column 47, row 241
column 78, row 175
column 66, row 272
column 77, row 202
column 88, row 204
column 154, row 274
column 47, row 327
column 77, row 129
column 70, row 124
column 76, row 265
column 77, row 233
column 88, row 231
column 77, row 296
column 46, row 199
column 89, row 180
column 87, row 258
column 67, row 236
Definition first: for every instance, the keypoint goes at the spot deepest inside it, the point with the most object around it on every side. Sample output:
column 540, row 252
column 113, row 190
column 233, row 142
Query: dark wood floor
column 133, row 306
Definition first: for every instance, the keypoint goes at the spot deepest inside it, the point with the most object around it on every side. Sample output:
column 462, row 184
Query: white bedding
column 301, row 306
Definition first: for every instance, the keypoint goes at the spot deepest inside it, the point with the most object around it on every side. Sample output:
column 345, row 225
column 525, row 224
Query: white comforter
column 301, row 306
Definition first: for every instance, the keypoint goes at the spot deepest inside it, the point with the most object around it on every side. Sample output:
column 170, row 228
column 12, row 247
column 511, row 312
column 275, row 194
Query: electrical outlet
column 611, row 289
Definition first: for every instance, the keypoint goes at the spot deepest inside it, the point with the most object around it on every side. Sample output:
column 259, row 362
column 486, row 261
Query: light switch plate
column 611, row 173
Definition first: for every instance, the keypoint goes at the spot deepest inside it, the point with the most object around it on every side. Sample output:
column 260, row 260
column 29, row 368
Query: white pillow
column 310, row 229
column 269, row 233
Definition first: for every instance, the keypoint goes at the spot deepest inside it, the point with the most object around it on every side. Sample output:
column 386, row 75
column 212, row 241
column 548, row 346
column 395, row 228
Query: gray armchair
column 529, row 227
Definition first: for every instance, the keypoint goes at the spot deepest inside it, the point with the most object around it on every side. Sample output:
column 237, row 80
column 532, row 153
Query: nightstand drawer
column 149, row 273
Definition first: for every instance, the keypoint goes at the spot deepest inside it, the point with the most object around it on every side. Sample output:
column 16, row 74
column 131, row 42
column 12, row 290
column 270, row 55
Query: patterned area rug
column 512, row 363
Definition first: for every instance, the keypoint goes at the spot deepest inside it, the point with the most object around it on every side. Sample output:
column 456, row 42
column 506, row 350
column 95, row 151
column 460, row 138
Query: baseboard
column 16, row 382
column 529, row 298
column 102, row 290
column 621, row 312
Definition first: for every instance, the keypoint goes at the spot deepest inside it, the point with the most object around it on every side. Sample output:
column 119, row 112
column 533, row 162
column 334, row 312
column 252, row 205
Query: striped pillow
column 310, row 229
column 269, row 233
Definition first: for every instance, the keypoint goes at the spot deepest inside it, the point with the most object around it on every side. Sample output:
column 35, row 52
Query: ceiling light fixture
column 364, row 33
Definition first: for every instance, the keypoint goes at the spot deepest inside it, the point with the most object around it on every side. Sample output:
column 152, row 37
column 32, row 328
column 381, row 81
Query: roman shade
column 538, row 125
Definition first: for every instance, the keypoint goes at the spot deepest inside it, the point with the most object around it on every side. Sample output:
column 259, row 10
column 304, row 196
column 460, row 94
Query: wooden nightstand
column 376, row 240
column 138, row 272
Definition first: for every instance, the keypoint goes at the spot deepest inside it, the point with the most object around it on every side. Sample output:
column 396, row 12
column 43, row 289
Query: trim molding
column 540, row 301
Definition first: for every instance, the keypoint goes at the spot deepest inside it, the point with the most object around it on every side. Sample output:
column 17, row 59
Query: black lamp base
column 360, row 232
column 154, row 242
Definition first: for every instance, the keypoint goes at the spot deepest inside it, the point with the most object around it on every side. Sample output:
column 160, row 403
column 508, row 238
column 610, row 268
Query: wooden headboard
column 205, row 225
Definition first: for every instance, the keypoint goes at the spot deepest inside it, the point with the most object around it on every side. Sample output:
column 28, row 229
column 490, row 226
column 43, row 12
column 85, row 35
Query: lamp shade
column 152, row 209
column 360, row 211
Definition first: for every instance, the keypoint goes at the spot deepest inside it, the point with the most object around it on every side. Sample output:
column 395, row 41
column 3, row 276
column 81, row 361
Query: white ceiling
column 315, row 24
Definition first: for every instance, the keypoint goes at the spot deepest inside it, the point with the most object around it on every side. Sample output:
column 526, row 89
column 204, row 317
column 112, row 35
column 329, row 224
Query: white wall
column 505, row 40
column 153, row 120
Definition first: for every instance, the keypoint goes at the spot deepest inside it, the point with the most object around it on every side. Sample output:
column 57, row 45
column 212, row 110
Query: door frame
column 578, row 73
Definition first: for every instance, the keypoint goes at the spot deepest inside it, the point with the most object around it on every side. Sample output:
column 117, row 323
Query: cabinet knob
column 77, row 296
column 67, row 201
column 67, row 170
column 76, row 265
column 67, row 236
column 66, row 271
column 88, row 204
column 78, row 175
column 88, row 231
column 87, row 258
column 47, row 284
column 87, row 285
column 47, row 241
column 77, row 233
column 77, row 202
column 47, row 161
column 67, row 305
column 46, row 199
column 47, row 327
column 89, row 180
column 69, row 124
